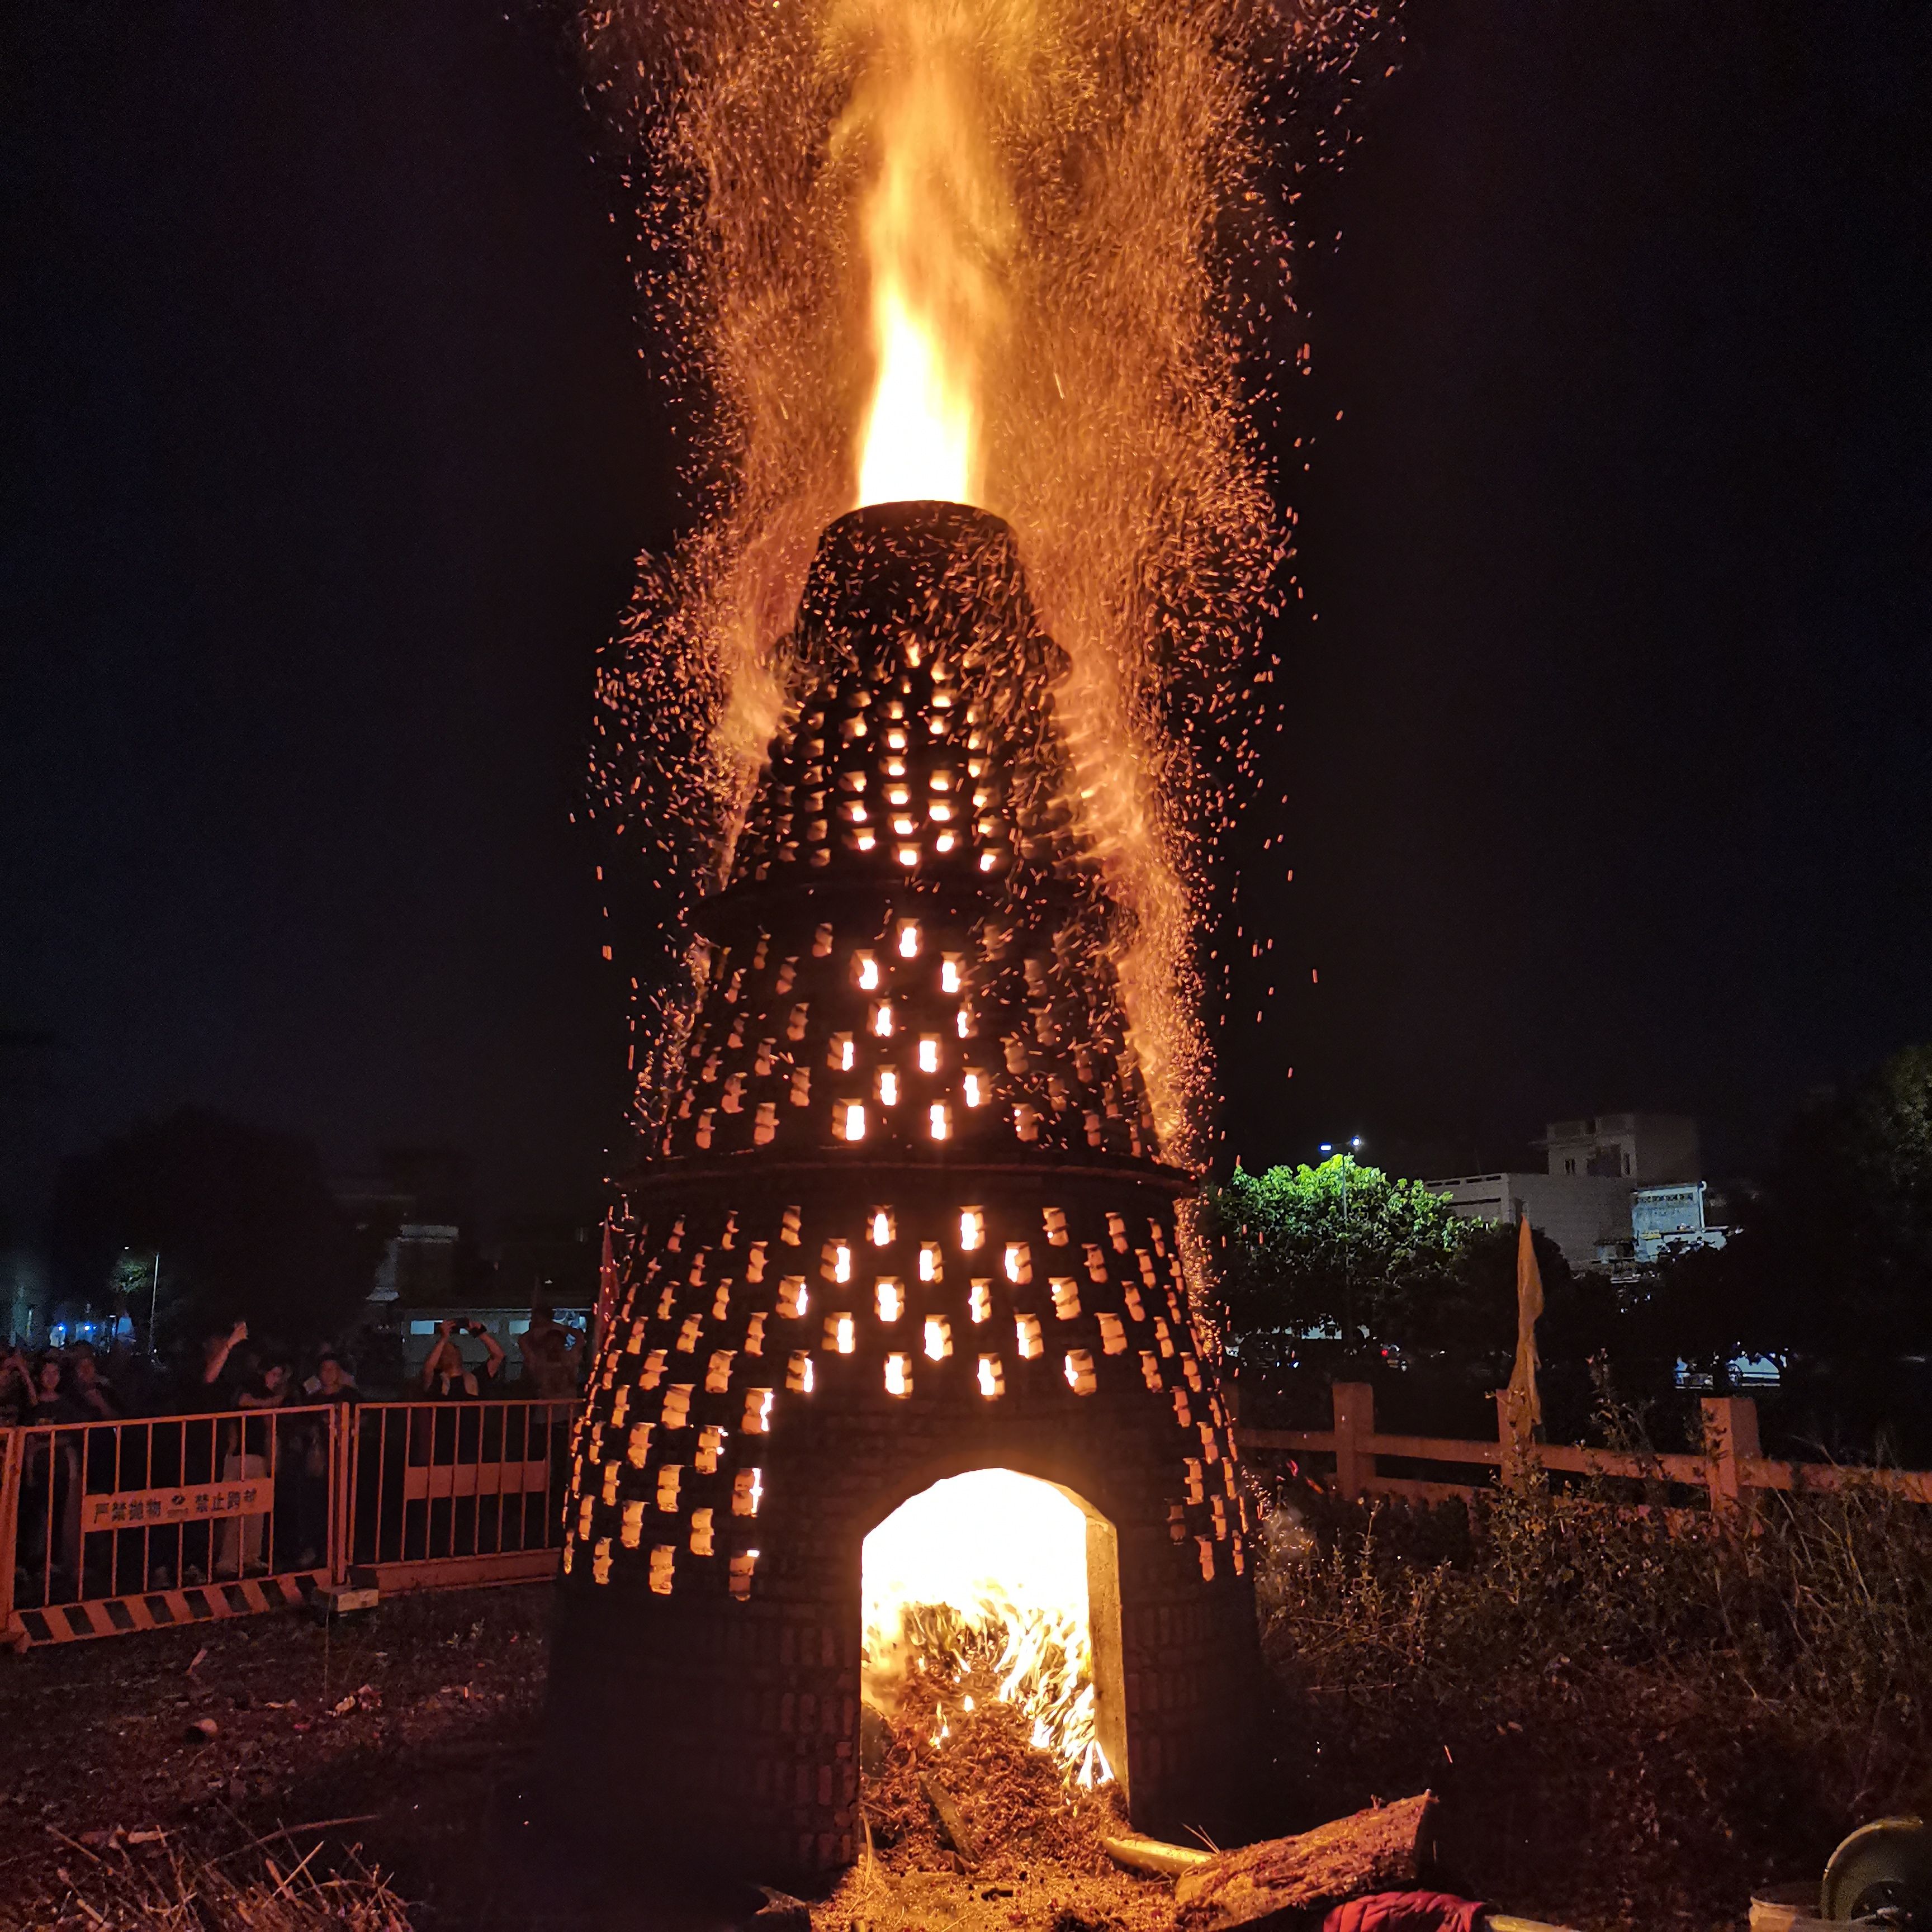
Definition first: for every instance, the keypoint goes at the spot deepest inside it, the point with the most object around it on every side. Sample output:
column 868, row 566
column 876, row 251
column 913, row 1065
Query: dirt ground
column 407, row 1732
column 406, row 1738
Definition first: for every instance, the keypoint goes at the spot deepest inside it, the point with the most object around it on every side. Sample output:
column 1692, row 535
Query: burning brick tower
column 902, row 1216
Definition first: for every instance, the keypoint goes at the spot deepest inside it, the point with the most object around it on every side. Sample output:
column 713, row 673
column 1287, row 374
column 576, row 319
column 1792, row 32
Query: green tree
column 242, row 1217
column 1337, row 1253
column 1850, row 1219
column 1832, row 1275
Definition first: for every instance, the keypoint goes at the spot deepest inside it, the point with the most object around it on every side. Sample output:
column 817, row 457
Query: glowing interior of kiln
column 978, row 1589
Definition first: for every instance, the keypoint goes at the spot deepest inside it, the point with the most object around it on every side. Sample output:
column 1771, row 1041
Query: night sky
column 332, row 447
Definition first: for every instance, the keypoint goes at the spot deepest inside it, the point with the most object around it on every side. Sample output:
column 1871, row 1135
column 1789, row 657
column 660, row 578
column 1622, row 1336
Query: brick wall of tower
column 901, row 1216
column 1072, row 1288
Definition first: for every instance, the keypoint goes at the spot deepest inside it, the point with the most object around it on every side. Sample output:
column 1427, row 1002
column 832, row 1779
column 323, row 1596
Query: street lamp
column 1355, row 1146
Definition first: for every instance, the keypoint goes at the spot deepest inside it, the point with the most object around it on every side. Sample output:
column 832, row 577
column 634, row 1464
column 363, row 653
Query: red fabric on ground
column 1405, row 1912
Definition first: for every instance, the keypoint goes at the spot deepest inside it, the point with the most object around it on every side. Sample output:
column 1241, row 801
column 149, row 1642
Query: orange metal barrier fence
column 457, row 1493
column 107, row 1527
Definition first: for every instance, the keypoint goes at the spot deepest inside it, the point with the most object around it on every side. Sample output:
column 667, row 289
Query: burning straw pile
column 959, row 1802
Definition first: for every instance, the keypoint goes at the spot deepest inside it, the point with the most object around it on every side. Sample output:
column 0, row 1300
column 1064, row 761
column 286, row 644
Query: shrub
column 1632, row 1714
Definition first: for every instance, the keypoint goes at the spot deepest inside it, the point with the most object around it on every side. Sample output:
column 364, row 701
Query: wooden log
column 1268, row 1884
column 951, row 1823
column 781, row 1912
column 1139, row 1853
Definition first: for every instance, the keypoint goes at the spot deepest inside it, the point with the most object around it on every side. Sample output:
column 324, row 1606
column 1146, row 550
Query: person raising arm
column 444, row 1376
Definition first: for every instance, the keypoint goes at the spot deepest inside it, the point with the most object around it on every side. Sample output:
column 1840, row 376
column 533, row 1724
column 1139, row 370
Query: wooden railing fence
column 1732, row 1470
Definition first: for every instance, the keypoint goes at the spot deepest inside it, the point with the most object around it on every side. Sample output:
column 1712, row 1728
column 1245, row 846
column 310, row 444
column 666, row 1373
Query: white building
column 1641, row 1147
column 1587, row 1202
column 1663, row 1218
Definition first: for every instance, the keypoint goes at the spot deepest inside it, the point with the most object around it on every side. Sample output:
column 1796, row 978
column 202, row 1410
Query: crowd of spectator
column 265, row 1422
column 228, row 1370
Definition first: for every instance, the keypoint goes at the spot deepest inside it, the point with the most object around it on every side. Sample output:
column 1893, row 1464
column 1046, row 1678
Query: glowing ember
column 1020, row 256
column 949, row 248
column 981, row 1581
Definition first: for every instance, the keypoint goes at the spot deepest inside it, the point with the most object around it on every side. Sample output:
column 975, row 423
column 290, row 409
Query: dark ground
column 407, row 1737
column 428, row 1758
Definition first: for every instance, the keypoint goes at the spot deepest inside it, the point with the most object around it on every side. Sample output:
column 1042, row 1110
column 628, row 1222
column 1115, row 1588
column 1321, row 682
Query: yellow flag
column 1525, row 1404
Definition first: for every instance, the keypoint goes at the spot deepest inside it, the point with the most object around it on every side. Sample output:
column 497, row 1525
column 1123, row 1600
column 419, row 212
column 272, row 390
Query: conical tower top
column 913, row 957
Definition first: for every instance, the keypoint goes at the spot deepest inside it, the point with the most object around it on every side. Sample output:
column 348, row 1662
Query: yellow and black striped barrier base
column 161, row 1610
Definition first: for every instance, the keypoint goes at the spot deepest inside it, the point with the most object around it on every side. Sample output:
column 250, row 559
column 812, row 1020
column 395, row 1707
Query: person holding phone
column 447, row 1378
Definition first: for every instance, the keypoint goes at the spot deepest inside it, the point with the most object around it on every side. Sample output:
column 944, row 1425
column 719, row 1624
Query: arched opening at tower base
column 997, row 1587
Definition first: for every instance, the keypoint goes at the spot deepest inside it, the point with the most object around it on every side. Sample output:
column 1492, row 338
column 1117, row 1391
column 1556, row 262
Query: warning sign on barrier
column 135, row 1509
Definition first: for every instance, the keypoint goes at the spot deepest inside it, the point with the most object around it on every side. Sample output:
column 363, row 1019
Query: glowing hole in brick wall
column 985, row 1586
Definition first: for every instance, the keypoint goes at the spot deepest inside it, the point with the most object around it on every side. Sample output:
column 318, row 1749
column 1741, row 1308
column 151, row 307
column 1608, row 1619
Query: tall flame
column 933, row 221
column 1015, row 252
column 919, row 431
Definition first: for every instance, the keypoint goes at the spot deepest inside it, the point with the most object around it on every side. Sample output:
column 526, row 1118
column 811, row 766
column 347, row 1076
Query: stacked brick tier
column 903, row 1217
